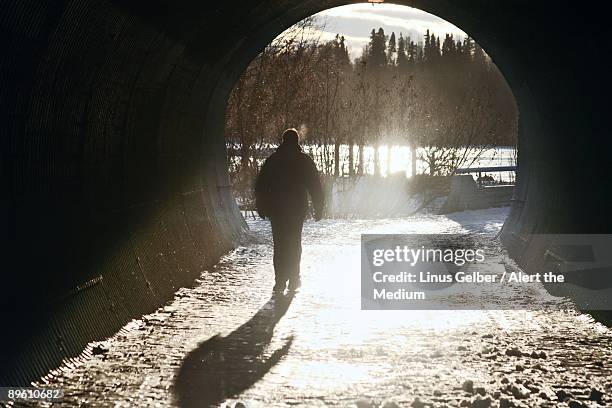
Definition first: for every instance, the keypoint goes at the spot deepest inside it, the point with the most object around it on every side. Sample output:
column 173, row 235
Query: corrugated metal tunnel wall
column 115, row 188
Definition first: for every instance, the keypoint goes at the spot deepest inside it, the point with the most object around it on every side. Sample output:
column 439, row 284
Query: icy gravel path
column 224, row 338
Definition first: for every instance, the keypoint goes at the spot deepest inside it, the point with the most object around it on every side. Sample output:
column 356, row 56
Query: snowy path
column 320, row 349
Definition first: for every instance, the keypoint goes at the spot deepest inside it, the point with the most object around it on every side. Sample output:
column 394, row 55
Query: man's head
column 290, row 137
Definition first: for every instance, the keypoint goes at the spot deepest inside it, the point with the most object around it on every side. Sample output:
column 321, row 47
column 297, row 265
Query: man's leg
column 296, row 253
column 279, row 237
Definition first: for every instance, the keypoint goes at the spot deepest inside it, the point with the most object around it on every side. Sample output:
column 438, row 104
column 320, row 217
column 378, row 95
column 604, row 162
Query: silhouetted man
column 281, row 192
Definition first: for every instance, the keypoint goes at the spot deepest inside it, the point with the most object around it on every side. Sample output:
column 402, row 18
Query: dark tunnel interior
column 115, row 185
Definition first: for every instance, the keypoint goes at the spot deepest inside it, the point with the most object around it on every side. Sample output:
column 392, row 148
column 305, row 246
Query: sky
column 355, row 22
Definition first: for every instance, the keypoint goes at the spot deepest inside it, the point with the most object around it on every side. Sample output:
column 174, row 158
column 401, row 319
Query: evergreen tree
column 342, row 54
column 419, row 53
column 449, row 47
column 402, row 54
column 431, row 49
column 459, row 48
column 412, row 51
column 468, row 48
column 377, row 56
column 391, row 49
column 427, row 47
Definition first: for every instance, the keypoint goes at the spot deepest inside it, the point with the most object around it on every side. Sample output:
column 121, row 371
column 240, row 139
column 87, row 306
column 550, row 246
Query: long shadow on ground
column 223, row 367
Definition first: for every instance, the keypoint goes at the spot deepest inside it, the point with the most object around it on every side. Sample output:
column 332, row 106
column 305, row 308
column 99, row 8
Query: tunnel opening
column 390, row 101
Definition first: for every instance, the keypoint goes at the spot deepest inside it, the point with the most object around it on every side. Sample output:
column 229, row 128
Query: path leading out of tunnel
column 227, row 337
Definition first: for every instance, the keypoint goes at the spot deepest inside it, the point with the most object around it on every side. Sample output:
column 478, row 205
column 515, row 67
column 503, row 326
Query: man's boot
column 294, row 284
column 279, row 287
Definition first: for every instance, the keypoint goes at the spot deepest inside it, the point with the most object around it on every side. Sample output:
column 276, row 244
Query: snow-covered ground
column 226, row 341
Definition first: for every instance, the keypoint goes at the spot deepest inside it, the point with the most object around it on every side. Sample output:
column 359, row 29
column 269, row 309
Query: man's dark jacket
column 285, row 180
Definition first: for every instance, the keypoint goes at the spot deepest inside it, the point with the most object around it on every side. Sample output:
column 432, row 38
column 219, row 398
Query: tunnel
column 116, row 192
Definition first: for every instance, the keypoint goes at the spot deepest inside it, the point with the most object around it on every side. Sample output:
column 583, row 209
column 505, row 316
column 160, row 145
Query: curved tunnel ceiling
column 114, row 164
